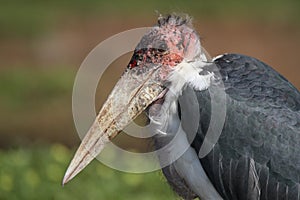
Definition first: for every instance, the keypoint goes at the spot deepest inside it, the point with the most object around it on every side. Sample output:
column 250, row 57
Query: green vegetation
column 29, row 18
column 37, row 173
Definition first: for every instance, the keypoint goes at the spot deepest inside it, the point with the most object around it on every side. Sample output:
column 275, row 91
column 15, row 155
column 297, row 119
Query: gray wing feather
column 257, row 155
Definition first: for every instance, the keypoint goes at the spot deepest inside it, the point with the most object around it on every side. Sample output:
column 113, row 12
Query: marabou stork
column 256, row 156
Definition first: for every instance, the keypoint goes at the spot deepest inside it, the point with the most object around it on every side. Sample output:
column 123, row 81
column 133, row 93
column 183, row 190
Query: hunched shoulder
column 254, row 82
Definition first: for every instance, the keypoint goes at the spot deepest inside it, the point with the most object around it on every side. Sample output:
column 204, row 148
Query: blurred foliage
column 37, row 174
column 29, row 18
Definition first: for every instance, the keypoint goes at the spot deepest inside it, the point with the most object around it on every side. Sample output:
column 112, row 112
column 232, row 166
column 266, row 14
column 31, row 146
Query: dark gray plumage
column 258, row 153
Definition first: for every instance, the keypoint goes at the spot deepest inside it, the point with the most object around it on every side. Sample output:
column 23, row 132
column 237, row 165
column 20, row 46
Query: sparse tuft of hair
column 174, row 19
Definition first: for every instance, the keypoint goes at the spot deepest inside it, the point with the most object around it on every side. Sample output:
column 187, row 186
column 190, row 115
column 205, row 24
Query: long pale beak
column 132, row 94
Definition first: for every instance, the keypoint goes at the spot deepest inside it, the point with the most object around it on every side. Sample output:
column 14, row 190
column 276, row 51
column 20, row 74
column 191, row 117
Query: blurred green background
column 42, row 44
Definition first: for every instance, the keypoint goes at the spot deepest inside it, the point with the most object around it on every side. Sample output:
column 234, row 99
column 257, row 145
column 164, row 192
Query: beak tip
column 69, row 174
column 66, row 179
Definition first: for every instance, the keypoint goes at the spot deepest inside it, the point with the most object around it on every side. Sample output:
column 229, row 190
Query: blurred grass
column 30, row 18
column 36, row 173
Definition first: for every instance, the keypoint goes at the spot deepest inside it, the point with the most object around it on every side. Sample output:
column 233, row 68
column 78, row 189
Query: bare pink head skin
column 144, row 81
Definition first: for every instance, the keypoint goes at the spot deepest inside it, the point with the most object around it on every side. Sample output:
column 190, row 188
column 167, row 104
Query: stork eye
column 162, row 47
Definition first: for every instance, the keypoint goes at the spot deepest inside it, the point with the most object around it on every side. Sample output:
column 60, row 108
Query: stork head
column 146, row 79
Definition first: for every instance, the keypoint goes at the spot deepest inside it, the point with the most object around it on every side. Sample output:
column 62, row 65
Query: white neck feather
column 188, row 73
column 185, row 73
